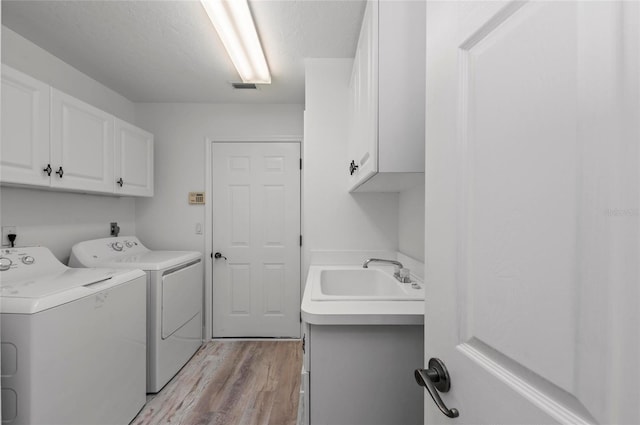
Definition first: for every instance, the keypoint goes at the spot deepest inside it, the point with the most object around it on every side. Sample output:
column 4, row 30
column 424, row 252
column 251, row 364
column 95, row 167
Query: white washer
column 174, row 304
column 73, row 341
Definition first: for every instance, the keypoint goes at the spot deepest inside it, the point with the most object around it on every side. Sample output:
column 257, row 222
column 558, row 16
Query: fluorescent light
column 232, row 19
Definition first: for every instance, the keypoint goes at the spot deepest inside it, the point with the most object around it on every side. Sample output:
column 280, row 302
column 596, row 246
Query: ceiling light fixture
column 234, row 23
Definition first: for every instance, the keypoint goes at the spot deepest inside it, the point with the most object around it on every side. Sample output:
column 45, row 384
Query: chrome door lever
column 435, row 379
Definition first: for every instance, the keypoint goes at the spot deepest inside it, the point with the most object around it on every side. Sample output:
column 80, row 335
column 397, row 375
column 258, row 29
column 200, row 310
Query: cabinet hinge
column 301, row 163
column 300, row 240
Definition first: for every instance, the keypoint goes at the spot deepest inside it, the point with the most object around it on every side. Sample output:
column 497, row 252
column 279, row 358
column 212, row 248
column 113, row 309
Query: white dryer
column 175, row 285
column 73, row 341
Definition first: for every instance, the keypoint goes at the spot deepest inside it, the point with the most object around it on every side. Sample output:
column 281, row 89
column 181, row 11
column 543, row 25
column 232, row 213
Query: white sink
column 353, row 284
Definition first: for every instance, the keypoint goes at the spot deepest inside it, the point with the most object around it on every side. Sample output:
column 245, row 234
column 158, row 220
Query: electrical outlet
column 7, row 230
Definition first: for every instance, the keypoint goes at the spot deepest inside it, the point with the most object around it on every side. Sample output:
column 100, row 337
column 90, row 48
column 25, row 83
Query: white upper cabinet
column 133, row 160
column 51, row 139
column 24, row 151
column 81, row 145
column 386, row 137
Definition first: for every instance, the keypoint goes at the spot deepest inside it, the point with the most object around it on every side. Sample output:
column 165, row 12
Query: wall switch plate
column 7, row 230
column 198, row 228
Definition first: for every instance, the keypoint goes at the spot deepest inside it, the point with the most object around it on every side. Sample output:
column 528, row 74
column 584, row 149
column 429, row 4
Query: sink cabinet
column 386, row 105
column 53, row 140
column 361, row 375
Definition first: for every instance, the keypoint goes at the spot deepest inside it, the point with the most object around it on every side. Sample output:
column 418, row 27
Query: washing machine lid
column 36, row 295
column 42, row 282
column 152, row 260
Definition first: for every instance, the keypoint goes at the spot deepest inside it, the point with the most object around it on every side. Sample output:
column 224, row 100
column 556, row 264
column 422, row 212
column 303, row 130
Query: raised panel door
column 532, row 223
column 133, row 160
column 256, row 227
column 81, row 145
column 364, row 150
column 24, row 155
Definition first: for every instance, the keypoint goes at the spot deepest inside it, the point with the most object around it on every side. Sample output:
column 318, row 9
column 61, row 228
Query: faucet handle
column 404, row 275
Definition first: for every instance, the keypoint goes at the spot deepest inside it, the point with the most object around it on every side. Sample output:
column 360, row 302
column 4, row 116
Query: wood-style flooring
column 232, row 383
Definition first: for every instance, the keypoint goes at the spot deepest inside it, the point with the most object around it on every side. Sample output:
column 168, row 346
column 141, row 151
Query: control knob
column 28, row 260
column 117, row 246
column 129, row 244
column 5, row 263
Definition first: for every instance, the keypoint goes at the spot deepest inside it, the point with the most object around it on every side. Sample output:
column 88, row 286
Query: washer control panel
column 15, row 257
column 26, row 262
column 121, row 246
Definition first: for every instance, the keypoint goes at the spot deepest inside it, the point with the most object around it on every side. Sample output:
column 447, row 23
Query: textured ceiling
column 168, row 51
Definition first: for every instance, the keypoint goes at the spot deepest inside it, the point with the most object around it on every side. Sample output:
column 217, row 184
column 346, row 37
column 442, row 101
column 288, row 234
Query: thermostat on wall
column 196, row 198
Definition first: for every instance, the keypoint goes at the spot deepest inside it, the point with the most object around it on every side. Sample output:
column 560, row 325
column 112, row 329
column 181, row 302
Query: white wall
column 335, row 219
column 57, row 220
column 167, row 221
column 23, row 55
column 411, row 222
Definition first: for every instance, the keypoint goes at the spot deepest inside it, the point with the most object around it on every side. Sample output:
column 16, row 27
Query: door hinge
column 301, row 163
column 212, row 255
column 300, row 240
column 300, row 317
column 304, row 343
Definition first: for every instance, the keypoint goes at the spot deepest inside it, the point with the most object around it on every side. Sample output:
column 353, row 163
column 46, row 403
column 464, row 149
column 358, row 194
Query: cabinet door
column 363, row 147
column 25, row 129
column 133, row 160
column 81, row 145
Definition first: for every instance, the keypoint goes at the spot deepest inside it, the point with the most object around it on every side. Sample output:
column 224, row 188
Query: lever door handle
column 48, row 170
column 60, row 172
column 435, row 379
column 219, row 255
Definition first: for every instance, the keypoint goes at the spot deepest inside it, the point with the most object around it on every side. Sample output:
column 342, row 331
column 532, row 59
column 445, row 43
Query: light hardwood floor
column 232, row 383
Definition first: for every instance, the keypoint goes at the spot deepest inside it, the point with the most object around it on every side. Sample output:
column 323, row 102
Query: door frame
column 208, row 217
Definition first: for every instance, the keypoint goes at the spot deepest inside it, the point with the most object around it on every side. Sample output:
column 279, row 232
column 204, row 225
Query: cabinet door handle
column 352, row 167
column 48, row 170
column 435, row 379
column 120, row 181
column 60, row 172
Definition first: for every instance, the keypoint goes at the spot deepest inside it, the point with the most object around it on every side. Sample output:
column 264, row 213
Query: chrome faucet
column 396, row 270
column 380, row 260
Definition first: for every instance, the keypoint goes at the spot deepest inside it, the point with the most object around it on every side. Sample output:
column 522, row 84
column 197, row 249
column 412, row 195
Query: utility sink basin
column 353, row 284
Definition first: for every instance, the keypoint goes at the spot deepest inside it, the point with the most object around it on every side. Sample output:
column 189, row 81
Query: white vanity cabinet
column 387, row 108
column 133, row 160
column 81, row 145
column 53, row 140
column 361, row 375
column 24, row 151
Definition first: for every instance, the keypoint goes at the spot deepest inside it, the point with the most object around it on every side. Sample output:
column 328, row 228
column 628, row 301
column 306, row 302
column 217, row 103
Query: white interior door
column 532, row 212
column 256, row 226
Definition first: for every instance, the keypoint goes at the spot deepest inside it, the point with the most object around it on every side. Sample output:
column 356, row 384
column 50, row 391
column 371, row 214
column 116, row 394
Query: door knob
column 435, row 379
column 48, row 170
column 120, row 181
column 219, row 255
column 60, row 172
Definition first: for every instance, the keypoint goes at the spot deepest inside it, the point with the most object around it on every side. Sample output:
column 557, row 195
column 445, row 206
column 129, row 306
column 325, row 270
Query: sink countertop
column 357, row 312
